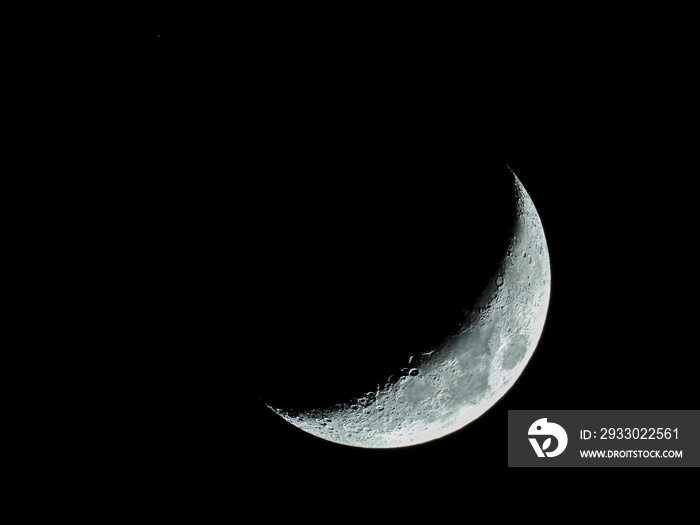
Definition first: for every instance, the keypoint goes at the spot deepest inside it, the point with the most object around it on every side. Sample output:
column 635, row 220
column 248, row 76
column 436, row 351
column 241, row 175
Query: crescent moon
column 443, row 390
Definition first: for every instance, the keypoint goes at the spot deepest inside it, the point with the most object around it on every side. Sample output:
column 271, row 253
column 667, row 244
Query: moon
column 442, row 390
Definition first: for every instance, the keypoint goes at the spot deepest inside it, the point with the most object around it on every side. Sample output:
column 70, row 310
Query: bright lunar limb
column 443, row 390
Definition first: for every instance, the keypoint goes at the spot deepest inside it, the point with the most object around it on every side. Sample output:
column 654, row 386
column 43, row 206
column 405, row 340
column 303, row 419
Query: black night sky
column 262, row 130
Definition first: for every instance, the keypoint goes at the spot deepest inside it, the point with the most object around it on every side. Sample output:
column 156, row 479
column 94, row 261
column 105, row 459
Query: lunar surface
column 444, row 389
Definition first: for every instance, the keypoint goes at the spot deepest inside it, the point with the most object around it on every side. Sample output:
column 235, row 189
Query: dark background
column 259, row 137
